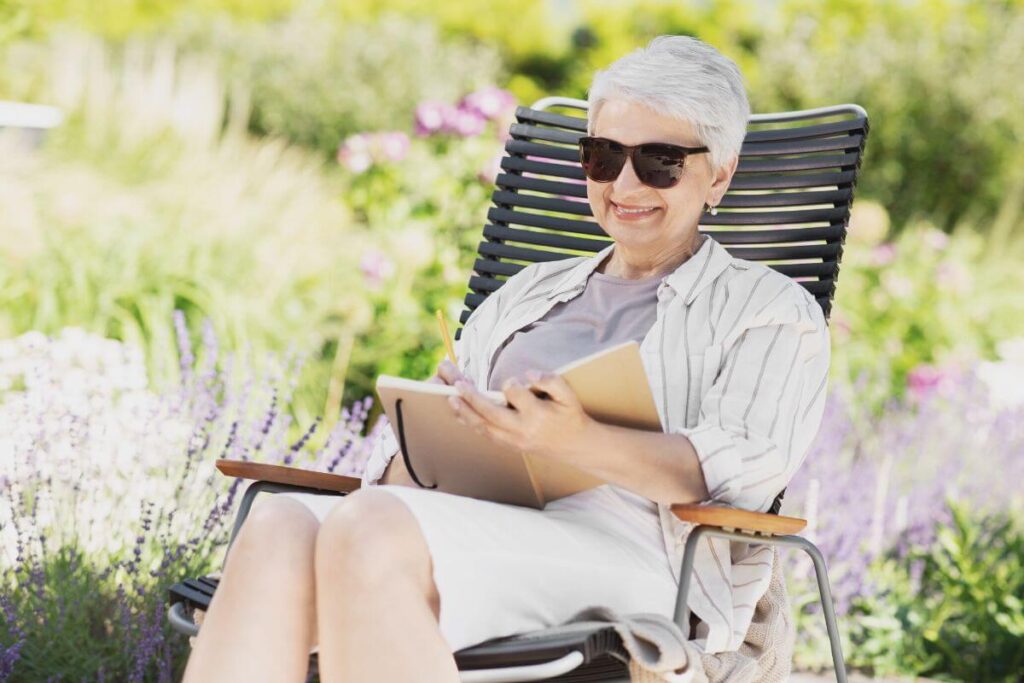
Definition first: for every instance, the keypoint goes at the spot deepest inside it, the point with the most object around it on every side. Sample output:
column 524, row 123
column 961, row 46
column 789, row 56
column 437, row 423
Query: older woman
column 392, row 579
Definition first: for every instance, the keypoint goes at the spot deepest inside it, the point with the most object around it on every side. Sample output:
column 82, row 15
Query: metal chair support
column 682, row 611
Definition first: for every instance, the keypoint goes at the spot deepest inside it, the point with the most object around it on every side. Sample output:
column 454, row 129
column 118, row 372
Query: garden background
column 250, row 208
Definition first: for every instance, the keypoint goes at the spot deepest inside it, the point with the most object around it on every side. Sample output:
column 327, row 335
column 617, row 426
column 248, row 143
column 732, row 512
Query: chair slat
column 791, row 252
column 527, row 115
column 805, row 198
column 830, row 233
column 518, row 182
column 526, row 131
column 803, row 146
column 805, row 163
column 783, row 182
column 774, row 217
column 488, row 266
column 548, row 151
column 517, row 253
column 809, row 131
column 542, row 168
column 531, row 201
column 536, row 220
column 548, row 239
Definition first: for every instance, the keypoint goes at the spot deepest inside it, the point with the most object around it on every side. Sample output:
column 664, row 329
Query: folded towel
column 657, row 648
column 660, row 653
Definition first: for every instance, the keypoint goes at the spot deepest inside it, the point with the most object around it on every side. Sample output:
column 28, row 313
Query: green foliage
column 315, row 81
column 941, row 81
column 955, row 609
column 922, row 298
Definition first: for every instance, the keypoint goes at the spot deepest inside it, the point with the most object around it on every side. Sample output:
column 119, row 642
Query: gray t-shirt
column 610, row 310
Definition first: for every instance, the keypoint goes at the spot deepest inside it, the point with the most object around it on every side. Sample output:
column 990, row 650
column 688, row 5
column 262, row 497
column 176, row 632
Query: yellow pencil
column 447, row 337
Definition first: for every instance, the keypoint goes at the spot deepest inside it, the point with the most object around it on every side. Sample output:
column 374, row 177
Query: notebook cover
column 611, row 384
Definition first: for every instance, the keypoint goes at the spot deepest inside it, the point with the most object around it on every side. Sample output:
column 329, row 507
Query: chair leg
column 825, row 591
column 682, row 610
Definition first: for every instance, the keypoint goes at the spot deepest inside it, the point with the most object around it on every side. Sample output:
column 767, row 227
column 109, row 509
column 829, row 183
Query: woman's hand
column 448, row 373
column 552, row 427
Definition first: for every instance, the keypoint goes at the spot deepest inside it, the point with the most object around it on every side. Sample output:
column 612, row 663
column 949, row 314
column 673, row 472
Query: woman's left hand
column 552, row 427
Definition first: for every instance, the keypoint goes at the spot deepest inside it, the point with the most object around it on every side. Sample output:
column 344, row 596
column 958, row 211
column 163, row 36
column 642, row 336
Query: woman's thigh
column 501, row 569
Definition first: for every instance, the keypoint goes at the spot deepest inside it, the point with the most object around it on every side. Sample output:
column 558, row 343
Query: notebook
column 445, row 455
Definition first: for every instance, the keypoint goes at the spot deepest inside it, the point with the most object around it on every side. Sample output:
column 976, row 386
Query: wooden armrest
column 743, row 520
column 282, row 474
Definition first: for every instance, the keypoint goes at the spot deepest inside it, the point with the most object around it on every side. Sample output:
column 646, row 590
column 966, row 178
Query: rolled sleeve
column 764, row 408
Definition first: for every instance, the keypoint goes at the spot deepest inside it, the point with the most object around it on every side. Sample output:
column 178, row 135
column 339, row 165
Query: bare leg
column 377, row 605
column 261, row 622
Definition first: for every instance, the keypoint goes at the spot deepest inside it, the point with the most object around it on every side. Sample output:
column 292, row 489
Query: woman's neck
column 635, row 267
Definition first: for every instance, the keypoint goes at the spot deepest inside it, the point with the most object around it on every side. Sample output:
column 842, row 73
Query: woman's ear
column 720, row 183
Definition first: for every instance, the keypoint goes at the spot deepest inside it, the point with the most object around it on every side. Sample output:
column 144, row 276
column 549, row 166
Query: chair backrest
column 788, row 205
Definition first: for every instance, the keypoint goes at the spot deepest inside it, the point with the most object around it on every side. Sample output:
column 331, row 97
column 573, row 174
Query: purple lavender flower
column 392, row 146
column 376, row 267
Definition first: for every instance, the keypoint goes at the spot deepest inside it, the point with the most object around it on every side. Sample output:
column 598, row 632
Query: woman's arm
column 661, row 467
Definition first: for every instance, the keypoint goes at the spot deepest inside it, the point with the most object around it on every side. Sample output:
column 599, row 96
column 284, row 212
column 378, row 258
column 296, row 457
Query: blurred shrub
column 943, row 83
column 955, row 608
column 314, row 81
column 923, row 297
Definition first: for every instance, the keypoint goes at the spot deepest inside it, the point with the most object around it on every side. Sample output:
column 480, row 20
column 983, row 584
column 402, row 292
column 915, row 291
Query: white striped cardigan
column 737, row 360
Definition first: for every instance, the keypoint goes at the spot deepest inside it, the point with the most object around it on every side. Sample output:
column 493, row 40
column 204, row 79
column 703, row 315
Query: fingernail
column 532, row 375
column 454, row 402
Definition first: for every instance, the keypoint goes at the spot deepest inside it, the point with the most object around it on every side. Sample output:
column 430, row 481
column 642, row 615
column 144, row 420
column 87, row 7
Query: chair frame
column 712, row 521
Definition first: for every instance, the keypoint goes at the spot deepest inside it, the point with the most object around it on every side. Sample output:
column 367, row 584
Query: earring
column 713, row 210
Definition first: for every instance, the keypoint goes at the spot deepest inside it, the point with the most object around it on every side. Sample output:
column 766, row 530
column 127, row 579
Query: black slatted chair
column 788, row 207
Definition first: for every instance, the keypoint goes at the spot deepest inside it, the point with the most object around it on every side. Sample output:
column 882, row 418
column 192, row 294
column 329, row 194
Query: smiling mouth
column 633, row 211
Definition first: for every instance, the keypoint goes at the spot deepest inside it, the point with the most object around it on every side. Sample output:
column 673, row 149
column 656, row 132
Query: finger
column 448, row 373
column 518, row 394
column 466, row 415
column 498, row 416
column 553, row 385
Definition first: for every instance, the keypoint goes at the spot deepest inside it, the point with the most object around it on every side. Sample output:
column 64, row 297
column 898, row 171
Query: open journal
column 442, row 454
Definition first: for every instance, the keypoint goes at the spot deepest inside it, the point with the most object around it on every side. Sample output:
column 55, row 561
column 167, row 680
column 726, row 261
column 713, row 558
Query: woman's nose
column 627, row 180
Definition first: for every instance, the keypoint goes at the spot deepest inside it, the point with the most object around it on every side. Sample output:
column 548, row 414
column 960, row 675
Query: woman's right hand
column 448, row 373
column 395, row 472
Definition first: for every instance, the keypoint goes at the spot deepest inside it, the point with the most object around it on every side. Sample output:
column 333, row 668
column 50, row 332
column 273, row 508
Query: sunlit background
column 221, row 219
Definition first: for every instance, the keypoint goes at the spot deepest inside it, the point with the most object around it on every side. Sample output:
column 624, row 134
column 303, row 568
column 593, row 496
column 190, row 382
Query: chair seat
column 603, row 654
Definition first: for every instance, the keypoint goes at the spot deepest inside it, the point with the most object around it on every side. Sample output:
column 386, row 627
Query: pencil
column 447, row 338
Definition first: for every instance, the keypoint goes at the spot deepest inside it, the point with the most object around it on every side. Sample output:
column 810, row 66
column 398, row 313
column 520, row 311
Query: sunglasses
column 656, row 164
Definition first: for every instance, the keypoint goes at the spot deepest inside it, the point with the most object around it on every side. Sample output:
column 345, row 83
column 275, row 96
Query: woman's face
column 646, row 223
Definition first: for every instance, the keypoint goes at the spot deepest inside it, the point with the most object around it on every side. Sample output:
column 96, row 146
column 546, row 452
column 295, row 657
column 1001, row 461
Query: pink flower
column 393, row 146
column 431, row 117
column 355, row 153
column 936, row 239
column 489, row 103
column 883, row 254
column 926, row 380
column 465, row 123
column 376, row 268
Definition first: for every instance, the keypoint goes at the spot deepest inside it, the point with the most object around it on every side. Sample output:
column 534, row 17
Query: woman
column 392, row 579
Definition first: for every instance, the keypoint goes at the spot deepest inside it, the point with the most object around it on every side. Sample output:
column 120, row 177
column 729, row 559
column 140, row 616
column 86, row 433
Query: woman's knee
column 372, row 538
column 277, row 529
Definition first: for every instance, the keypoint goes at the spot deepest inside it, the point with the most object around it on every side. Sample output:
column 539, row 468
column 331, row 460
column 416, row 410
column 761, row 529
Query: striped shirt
column 737, row 360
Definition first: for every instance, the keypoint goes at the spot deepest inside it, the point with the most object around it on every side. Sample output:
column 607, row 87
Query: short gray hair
column 683, row 78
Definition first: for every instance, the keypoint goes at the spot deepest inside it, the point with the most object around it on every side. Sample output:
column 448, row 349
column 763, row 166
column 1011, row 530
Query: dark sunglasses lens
column 602, row 160
column 659, row 166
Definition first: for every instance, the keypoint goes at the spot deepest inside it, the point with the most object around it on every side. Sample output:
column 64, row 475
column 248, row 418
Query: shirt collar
column 687, row 280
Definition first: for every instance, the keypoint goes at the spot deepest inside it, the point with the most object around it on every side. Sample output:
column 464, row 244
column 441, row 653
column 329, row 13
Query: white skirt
column 502, row 570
